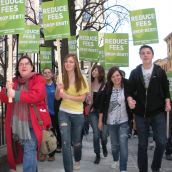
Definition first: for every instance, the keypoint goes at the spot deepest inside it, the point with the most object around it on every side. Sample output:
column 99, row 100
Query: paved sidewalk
column 88, row 156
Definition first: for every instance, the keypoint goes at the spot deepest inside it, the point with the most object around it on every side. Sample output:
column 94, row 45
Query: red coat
column 35, row 95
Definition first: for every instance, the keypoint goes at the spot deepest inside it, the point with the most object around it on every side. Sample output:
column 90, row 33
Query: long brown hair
column 101, row 71
column 79, row 80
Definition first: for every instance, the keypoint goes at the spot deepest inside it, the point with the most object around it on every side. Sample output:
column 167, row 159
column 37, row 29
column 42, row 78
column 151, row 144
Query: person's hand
column 9, row 85
column 63, row 95
column 100, row 125
column 131, row 102
column 11, row 93
column 167, row 106
column 88, row 99
column 60, row 86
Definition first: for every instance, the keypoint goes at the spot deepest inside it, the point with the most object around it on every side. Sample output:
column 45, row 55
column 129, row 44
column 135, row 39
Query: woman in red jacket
column 22, row 127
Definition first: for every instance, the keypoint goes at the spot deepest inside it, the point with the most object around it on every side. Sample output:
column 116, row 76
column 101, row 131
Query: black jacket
column 105, row 100
column 151, row 101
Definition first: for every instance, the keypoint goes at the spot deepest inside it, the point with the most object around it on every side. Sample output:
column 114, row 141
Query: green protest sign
column 29, row 40
column 56, row 19
column 116, row 49
column 169, row 75
column 12, row 16
column 72, row 45
column 45, row 57
column 88, row 46
column 144, row 26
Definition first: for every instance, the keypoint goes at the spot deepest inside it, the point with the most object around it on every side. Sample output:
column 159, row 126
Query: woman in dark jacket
column 116, row 113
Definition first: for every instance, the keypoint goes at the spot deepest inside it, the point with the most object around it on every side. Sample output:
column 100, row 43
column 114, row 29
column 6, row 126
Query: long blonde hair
column 79, row 80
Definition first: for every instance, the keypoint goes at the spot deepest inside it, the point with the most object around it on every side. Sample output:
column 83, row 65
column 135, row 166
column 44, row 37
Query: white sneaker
column 11, row 170
column 151, row 145
column 115, row 165
column 76, row 166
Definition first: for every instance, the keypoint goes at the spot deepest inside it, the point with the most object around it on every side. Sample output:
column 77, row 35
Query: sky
column 163, row 10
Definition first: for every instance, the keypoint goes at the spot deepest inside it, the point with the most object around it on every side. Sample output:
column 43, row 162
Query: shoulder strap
column 37, row 115
column 102, row 85
column 36, row 111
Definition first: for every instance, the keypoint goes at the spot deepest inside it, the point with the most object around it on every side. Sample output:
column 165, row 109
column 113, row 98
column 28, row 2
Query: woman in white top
column 116, row 113
column 73, row 92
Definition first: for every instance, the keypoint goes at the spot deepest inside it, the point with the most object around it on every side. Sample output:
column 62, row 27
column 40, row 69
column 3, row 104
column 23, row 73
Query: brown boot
column 51, row 158
column 42, row 157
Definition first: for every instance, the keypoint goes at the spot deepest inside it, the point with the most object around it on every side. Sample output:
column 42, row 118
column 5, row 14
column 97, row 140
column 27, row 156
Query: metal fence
column 3, row 57
column 2, row 127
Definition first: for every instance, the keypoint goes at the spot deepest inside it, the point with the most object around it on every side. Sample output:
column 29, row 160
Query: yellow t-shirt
column 71, row 106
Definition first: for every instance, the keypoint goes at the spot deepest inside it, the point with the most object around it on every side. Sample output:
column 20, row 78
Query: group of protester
column 112, row 105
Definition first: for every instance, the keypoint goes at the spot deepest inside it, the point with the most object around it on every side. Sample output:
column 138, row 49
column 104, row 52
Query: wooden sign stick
column 168, row 120
column 58, row 55
column 58, row 58
column 10, row 62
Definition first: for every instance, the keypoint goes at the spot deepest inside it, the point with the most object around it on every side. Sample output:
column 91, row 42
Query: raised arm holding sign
column 59, row 78
column 58, row 56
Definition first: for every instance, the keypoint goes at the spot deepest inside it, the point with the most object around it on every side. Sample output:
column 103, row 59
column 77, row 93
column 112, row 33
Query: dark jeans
column 97, row 134
column 119, row 143
column 71, row 126
column 86, row 125
column 169, row 143
column 169, row 147
column 158, row 124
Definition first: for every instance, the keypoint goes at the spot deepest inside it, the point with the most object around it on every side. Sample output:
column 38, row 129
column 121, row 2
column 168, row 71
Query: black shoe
column 97, row 159
column 129, row 136
column 155, row 170
column 58, row 149
column 105, row 152
column 169, row 157
column 135, row 134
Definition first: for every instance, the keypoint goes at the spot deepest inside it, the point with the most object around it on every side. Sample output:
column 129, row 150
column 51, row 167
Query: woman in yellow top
column 70, row 116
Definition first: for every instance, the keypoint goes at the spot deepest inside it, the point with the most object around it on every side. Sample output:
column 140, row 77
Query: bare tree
column 97, row 15
column 32, row 11
column 103, row 14
column 107, row 15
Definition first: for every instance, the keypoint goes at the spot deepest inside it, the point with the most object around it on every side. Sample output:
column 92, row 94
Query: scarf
column 21, row 115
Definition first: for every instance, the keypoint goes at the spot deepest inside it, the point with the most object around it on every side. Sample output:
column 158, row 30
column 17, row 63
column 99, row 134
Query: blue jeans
column 97, row 134
column 119, row 143
column 158, row 125
column 71, row 126
column 30, row 154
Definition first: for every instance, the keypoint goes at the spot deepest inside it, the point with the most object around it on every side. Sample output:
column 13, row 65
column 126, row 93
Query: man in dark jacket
column 149, row 97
